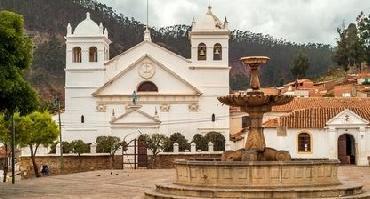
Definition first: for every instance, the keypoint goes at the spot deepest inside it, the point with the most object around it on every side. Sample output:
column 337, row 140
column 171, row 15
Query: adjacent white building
column 319, row 128
column 172, row 93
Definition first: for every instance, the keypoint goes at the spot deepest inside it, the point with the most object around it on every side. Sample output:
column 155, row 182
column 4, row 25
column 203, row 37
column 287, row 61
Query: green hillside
column 46, row 22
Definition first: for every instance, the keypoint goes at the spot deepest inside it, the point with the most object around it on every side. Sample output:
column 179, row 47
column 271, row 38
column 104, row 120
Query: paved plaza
column 121, row 184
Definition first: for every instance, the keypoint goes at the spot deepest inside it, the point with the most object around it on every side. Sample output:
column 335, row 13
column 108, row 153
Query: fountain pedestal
column 256, row 171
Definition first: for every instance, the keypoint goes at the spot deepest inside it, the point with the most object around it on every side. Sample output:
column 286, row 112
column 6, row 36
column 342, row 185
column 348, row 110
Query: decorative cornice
column 131, row 66
column 209, row 68
column 155, row 121
column 151, row 43
column 150, row 99
column 84, row 69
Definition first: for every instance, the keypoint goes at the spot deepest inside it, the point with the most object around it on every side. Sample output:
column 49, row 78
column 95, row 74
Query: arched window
column 76, row 55
column 304, row 142
column 147, row 86
column 213, row 117
column 106, row 54
column 82, row 119
column 93, row 54
column 217, row 52
column 202, row 51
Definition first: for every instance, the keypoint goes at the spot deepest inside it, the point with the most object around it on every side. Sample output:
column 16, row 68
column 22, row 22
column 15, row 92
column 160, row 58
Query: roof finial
column 87, row 15
column 69, row 29
column 147, row 36
column 209, row 6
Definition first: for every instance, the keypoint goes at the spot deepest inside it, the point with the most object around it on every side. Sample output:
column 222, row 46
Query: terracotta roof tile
column 314, row 117
column 323, row 102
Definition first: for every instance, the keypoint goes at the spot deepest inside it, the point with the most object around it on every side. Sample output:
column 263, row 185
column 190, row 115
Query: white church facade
column 146, row 89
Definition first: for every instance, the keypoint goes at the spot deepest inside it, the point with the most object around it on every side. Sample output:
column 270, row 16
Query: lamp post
column 13, row 150
column 60, row 137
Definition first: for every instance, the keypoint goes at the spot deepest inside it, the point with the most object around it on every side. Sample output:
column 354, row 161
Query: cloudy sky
column 294, row 20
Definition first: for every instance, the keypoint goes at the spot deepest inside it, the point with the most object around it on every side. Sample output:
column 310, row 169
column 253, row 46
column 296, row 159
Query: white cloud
column 294, row 20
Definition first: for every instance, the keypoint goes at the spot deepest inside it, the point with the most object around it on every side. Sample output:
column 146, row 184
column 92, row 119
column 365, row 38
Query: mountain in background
column 46, row 21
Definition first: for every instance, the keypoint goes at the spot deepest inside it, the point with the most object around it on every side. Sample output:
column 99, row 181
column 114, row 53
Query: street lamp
column 60, row 136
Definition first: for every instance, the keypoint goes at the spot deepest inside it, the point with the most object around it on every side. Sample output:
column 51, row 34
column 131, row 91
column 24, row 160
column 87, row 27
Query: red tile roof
column 314, row 117
column 323, row 102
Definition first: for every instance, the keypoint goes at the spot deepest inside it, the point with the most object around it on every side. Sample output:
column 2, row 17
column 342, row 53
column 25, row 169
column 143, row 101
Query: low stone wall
column 165, row 160
column 72, row 163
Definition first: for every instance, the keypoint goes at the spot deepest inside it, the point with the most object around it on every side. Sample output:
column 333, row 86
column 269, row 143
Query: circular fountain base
column 256, row 179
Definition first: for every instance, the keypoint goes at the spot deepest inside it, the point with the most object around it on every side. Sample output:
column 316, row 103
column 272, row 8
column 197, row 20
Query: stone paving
column 121, row 184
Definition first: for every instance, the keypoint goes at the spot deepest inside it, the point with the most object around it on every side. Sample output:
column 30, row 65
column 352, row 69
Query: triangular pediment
column 135, row 117
column 167, row 81
column 347, row 118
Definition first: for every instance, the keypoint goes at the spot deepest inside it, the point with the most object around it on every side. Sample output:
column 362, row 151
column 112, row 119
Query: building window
column 213, row 117
column 76, row 55
column 147, row 86
column 304, row 142
column 93, row 54
column 217, row 52
column 82, row 119
column 106, row 54
column 202, row 51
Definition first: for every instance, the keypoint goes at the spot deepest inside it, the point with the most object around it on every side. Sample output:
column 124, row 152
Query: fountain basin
column 254, row 99
column 257, row 179
column 257, row 174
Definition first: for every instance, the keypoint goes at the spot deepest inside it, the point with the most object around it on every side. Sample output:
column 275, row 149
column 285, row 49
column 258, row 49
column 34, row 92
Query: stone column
column 256, row 138
column 193, row 147
column 175, row 147
column 93, row 148
column 333, row 143
column 57, row 149
column 210, row 147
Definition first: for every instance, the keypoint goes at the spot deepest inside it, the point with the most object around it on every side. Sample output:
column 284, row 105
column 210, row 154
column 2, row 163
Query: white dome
column 88, row 27
column 208, row 22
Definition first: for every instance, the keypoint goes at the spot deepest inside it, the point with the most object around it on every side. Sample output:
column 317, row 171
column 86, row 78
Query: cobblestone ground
column 122, row 184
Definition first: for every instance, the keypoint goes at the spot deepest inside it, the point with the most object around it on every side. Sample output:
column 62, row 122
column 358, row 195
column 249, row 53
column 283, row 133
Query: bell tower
column 209, row 41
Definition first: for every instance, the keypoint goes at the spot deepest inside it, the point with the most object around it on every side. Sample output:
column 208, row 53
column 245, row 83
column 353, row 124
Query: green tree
column 350, row 51
column 239, row 82
column 300, row 65
column 155, row 143
column 200, row 142
column 363, row 24
column 80, row 147
column 217, row 139
column 109, row 144
column 177, row 138
column 15, row 57
column 35, row 129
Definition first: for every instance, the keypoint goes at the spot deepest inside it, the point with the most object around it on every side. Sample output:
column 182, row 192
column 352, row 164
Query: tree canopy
column 33, row 130
column 108, row 144
column 15, row 57
column 349, row 51
column 177, row 138
column 217, row 139
column 80, row 147
column 300, row 65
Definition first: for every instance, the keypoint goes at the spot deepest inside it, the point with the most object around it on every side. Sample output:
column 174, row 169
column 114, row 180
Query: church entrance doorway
column 142, row 158
column 346, row 149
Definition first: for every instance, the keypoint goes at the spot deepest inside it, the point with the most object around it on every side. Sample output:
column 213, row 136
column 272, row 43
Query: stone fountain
column 256, row 171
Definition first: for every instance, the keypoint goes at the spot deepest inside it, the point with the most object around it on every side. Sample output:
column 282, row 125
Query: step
column 294, row 192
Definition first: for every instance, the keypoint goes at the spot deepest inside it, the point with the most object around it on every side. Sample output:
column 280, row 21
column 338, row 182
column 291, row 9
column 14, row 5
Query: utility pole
column 60, row 138
column 13, row 150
